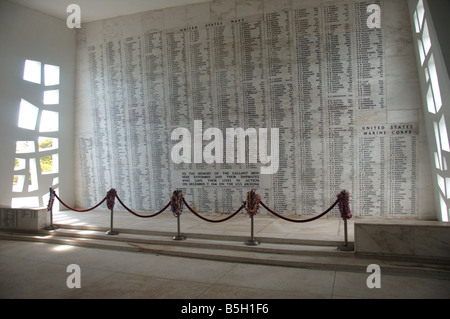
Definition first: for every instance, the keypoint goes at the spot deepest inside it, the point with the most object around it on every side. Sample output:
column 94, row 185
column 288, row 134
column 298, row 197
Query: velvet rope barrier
column 300, row 220
column 212, row 220
column 139, row 215
column 78, row 210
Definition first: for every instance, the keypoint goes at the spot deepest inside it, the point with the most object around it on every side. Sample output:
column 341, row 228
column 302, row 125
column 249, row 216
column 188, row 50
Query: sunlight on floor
column 63, row 248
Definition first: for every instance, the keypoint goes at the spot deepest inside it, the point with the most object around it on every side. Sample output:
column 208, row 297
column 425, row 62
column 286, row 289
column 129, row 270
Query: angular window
column 19, row 164
column 421, row 52
column 28, row 114
column 420, row 12
column 25, row 147
column 435, row 83
column 426, row 38
column 49, row 164
column 28, row 170
column 416, row 22
column 430, row 101
column 51, row 97
column 51, row 75
column 443, row 133
column 18, row 182
column 438, row 143
column 49, row 122
column 441, row 183
column 32, row 71
column 47, row 143
column 33, row 181
column 444, row 213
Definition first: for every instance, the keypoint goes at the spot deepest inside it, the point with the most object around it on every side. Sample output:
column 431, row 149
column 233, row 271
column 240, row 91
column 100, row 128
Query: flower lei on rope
column 111, row 198
column 251, row 204
column 176, row 202
column 344, row 206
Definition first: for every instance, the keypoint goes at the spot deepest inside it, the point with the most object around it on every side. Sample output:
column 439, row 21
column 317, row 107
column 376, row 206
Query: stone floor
column 39, row 270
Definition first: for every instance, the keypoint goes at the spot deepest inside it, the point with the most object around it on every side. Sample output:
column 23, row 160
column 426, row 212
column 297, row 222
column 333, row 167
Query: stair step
column 271, row 252
column 216, row 242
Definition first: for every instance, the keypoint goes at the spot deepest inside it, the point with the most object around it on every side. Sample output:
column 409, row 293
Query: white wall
column 436, row 114
column 28, row 34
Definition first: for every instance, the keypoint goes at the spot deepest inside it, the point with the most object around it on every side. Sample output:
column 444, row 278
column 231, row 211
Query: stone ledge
column 24, row 218
column 411, row 239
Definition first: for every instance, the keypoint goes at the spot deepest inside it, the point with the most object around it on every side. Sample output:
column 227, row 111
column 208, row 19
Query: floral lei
column 252, row 203
column 176, row 202
column 111, row 198
column 344, row 206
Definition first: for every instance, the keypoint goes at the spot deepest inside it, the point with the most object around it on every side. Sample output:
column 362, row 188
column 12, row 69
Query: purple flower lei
column 111, row 198
column 176, row 202
column 344, row 206
column 252, row 203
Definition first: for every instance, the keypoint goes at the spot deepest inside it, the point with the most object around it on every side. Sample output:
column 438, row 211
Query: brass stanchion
column 50, row 208
column 110, row 202
column 252, row 241
column 111, row 231
column 178, row 236
column 346, row 246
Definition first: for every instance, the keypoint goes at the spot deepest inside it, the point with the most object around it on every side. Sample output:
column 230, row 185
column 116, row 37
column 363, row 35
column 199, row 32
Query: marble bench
column 24, row 218
column 426, row 240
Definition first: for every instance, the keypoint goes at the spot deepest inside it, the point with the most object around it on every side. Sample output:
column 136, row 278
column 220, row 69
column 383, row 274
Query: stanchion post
column 344, row 209
column 252, row 241
column 346, row 246
column 178, row 235
column 50, row 209
column 110, row 201
column 111, row 231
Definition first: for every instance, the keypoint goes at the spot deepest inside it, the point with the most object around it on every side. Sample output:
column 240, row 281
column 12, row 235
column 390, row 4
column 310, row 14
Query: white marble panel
column 152, row 20
column 432, row 241
column 198, row 14
column 402, row 116
column 24, row 218
column 175, row 18
column 222, row 10
column 384, row 239
column 412, row 239
column 246, row 8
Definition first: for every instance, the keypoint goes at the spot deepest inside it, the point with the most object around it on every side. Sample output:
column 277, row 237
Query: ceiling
column 92, row 10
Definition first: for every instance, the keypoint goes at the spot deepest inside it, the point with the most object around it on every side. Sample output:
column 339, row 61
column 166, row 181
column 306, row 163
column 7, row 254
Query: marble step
column 267, row 253
column 279, row 245
column 217, row 242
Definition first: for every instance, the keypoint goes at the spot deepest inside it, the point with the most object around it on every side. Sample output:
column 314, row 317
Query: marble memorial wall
column 312, row 69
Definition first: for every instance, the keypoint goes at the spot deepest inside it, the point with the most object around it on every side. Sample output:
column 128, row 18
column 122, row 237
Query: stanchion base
column 51, row 227
column 348, row 247
column 251, row 242
column 179, row 237
column 112, row 232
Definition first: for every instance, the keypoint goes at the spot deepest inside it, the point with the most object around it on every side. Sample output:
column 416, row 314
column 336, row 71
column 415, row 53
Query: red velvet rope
column 139, row 215
column 212, row 220
column 198, row 215
column 300, row 220
column 78, row 210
